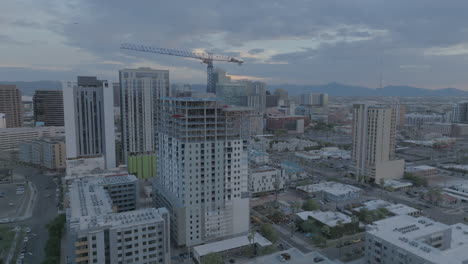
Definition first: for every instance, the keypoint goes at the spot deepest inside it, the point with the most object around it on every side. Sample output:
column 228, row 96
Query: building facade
column 89, row 120
column 10, row 138
column 140, row 91
column 100, row 230
column 292, row 124
column 11, row 105
column 48, row 107
column 374, row 132
column 266, row 179
column 45, row 153
column 202, row 170
column 317, row 99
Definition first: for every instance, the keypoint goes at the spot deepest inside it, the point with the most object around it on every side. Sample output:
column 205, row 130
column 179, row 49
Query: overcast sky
column 423, row 43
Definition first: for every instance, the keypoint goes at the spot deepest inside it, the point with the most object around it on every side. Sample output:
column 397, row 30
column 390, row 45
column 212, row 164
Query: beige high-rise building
column 374, row 129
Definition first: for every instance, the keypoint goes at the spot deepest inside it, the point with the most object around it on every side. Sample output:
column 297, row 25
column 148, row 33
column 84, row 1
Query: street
column 44, row 211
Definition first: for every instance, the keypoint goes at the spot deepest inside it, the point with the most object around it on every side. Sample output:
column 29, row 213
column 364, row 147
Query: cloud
column 296, row 41
column 256, row 51
column 7, row 40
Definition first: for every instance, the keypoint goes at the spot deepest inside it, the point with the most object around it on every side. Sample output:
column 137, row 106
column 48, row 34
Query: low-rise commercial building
column 103, row 229
column 10, row 138
column 395, row 209
column 397, row 185
column 336, row 223
column 422, row 170
column 332, row 191
column 405, row 239
column 297, row 257
column 228, row 245
column 258, row 157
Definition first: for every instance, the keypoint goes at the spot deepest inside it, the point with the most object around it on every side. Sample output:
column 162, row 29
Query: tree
column 269, row 232
column 309, row 226
column 277, row 216
column 310, row 205
column 416, row 180
column 276, row 185
column 52, row 246
column 434, row 195
column 382, row 182
column 251, row 238
column 212, row 258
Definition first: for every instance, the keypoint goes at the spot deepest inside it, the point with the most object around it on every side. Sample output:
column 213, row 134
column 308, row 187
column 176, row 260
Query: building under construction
column 202, row 168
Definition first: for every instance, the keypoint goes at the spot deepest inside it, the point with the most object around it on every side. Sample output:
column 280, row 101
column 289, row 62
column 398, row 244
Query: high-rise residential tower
column 202, row 169
column 374, row 129
column 140, row 90
column 48, row 107
column 89, row 120
column 11, row 105
column 316, row 99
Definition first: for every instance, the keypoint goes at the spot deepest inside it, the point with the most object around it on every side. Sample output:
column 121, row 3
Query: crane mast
column 206, row 58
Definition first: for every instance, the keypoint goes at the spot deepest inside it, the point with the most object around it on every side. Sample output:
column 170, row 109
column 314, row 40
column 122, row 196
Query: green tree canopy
column 213, row 258
column 269, row 232
column 310, row 205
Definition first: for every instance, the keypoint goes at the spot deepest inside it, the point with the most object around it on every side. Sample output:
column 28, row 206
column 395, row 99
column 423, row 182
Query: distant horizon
column 268, row 84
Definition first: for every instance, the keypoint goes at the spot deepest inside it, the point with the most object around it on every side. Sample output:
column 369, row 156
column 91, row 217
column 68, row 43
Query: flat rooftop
column 420, row 168
column 396, row 209
column 334, row 188
column 397, row 184
column 408, row 232
column 297, row 257
column 89, row 199
column 328, row 218
column 125, row 219
column 229, row 244
column 262, row 169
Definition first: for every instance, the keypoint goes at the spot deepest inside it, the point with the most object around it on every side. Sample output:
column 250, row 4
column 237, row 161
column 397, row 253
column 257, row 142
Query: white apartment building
column 202, row 170
column 374, row 129
column 262, row 179
column 10, row 138
column 89, row 120
column 97, row 233
column 140, row 90
column 406, row 239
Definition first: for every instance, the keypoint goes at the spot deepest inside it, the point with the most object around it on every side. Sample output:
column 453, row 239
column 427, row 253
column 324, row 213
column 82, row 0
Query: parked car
column 318, row 259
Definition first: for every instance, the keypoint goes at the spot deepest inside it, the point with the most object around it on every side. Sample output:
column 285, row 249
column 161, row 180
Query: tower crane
column 205, row 57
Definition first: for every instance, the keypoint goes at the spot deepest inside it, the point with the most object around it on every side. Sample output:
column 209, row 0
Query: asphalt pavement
column 44, row 211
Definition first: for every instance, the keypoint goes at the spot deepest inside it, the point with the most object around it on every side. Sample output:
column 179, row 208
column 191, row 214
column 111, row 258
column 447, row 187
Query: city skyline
column 291, row 42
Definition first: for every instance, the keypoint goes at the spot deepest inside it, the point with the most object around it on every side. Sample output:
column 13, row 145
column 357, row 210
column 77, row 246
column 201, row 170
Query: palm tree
column 251, row 237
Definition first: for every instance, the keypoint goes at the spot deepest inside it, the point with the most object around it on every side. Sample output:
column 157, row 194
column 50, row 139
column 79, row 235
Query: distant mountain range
column 333, row 89
column 339, row 89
